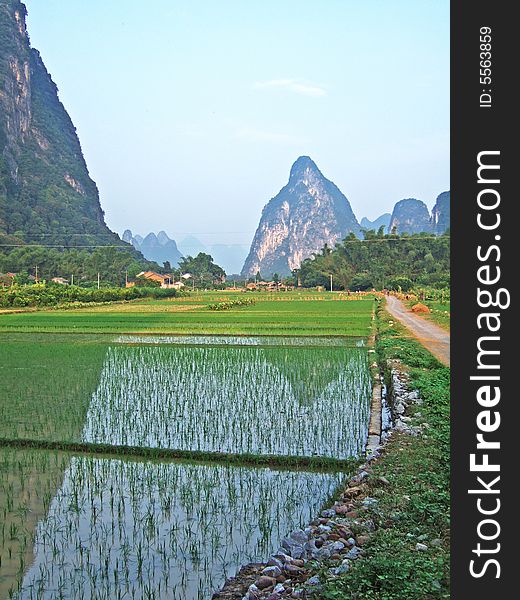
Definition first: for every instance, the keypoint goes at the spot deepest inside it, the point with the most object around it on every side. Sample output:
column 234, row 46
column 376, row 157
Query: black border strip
column 477, row 127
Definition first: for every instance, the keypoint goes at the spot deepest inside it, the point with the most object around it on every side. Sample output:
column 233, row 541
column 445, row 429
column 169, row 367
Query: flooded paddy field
column 286, row 396
column 72, row 522
column 136, row 529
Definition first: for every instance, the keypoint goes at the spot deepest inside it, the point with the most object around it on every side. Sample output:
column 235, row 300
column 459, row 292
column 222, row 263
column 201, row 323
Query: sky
column 190, row 113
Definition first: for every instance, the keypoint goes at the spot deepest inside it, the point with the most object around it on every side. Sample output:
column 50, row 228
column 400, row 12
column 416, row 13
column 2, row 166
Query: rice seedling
column 288, row 400
column 119, row 528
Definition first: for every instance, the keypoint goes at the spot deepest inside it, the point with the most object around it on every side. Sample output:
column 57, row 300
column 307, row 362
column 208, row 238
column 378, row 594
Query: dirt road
column 432, row 337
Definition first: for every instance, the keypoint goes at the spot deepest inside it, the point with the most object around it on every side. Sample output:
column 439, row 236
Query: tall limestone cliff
column 410, row 216
column 440, row 219
column 309, row 212
column 46, row 192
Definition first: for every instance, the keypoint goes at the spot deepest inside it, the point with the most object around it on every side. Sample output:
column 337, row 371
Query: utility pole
column 98, row 281
column 36, row 274
column 331, row 282
column 126, row 279
column 72, row 279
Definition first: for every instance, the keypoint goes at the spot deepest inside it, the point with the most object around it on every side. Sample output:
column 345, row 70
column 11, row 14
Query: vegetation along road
column 432, row 337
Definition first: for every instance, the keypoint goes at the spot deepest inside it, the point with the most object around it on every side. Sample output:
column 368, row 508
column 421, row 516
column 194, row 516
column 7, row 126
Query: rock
column 298, row 562
column 337, row 546
column 343, row 568
column 328, row 513
column 275, row 562
column 324, row 528
column 274, row 596
column 293, row 570
column 264, row 582
column 272, row 571
column 436, row 542
column 342, row 509
column 351, row 541
column 279, row 589
column 369, row 502
column 354, row 553
column 282, row 556
column 362, row 539
column 299, row 536
column 315, row 580
column 383, row 481
column 293, row 548
column 421, row 547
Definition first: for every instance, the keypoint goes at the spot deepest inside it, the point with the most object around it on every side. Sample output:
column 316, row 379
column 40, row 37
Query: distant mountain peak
column 309, row 212
column 302, row 165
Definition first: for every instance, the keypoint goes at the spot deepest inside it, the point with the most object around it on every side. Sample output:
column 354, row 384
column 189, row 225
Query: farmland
column 281, row 380
column 291, row 314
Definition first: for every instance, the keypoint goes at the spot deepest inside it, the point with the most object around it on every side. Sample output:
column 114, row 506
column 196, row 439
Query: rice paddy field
column 281, row 379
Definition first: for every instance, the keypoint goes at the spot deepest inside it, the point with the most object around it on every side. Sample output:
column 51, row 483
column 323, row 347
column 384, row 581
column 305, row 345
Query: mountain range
column 311, row 212
column 47, row 197
column 161, row 248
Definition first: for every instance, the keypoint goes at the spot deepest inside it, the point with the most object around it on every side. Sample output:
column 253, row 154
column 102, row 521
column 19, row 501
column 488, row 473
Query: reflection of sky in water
column 270, row 400
column 172, row 530
column 223, row 340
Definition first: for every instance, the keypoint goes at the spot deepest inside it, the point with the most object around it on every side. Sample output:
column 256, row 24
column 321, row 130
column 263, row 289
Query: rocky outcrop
column 440, row 219
column 307, row 214
column 410, row 216
column 45, row 187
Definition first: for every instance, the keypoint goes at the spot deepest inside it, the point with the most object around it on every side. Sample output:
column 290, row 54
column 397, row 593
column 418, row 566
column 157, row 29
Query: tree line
column 380, row 261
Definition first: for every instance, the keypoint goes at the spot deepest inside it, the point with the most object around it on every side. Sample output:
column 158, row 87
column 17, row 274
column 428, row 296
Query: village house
column 165, row 281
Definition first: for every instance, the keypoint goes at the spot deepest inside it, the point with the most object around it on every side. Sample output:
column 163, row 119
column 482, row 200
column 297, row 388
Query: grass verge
column 415, row 506
column 306, row 463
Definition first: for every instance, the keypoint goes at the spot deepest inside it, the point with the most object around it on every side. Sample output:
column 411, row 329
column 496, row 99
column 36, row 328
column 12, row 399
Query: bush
column 52, row 295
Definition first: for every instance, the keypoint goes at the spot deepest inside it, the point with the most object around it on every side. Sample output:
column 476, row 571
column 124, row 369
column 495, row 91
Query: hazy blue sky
column 191, row 113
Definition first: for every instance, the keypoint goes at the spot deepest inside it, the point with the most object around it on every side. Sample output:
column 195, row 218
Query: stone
column 279, row 589
column 299, row 536
column 272, row 571
column 293, row 570
column 369, row 502
column 436, row 542
column 275, row 562
column 342, row 509
column 337, row 546
column 362, row 539
column 315, row 580
column 264, row 582
column 354, row 553
column 328, row 513
column 421, row 547
column 343, row 568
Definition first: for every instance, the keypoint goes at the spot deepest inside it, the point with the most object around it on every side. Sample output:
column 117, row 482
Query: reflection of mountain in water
column 233, row 399
column 50, row 380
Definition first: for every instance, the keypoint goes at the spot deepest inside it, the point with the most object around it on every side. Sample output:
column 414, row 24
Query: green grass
column 440, row 312
column 306, row 314
column 48, row 382
column 415, row 506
